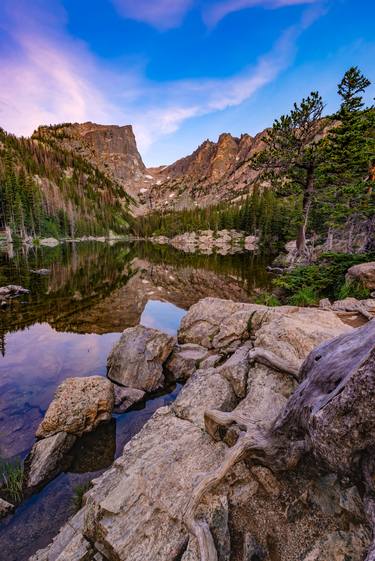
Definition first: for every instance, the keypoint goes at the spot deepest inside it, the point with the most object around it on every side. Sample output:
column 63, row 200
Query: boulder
column 49, row 242
column 363, row 273
column 79, row 405
column 217, row 324
column 68, row 545
column 136, row 361
column 12, row 291
column 251, row 243
column 5, row 508
column 236, row 369
column 206, row 389
column 126, row 398
column 185, row 359
column 291, row 333
column 135, row 510
column 160, row 240
column 349, row 304
column 48, row 457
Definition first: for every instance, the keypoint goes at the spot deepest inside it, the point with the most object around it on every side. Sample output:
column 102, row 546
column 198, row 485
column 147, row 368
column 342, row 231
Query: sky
column 179, row 71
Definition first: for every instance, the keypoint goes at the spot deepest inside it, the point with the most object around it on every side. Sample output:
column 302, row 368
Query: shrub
column 324, row 279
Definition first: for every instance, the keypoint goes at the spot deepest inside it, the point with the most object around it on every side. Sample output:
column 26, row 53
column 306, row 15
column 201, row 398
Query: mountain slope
column 215, row 172
column 46, row 190
column 110, row 148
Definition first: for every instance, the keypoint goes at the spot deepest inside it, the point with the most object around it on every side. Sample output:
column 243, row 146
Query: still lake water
column 67, row 326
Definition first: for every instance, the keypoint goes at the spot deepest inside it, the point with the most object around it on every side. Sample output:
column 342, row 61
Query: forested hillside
column 48, row 191
column 315, row 177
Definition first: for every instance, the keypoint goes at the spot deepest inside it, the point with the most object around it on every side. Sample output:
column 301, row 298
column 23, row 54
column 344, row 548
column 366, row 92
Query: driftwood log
column 330, row 416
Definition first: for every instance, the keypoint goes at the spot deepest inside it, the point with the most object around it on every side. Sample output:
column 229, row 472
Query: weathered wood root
column 268, row 358
column 330, row 415
column 200, row 528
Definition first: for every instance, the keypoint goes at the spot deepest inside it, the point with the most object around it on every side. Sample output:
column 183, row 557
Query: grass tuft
column 78, row 493
column 304, row 297
column 268, row 299
column 11, row 480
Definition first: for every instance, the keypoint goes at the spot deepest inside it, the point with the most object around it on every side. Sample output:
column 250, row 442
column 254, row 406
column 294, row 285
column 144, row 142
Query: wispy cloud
column 168, row 14
column 47, row 77
column 215, row 12
column 162, row 14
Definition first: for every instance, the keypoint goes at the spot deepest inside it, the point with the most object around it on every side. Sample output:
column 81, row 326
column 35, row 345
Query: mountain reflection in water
column 82, row 296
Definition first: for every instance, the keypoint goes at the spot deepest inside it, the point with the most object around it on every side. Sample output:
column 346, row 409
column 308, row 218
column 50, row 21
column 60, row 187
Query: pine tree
column 292, row 156
column 349, row 156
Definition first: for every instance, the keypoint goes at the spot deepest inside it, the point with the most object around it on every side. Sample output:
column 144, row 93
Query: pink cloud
column 212, row 14
column 162, row 14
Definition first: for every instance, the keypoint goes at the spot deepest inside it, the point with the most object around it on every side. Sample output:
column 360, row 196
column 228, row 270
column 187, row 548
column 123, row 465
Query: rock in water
column 364, row 273
column 12, row 291
column 136, row 361
column 48, row 457
column 49, row 242
column 5, row 508
column 79, row 405
column 126, row 397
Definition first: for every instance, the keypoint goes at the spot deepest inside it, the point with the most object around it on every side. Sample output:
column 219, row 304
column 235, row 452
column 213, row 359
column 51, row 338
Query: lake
column 82, row 296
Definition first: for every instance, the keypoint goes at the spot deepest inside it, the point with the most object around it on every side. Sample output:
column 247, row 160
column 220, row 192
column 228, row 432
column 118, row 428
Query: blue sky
column 179, row 71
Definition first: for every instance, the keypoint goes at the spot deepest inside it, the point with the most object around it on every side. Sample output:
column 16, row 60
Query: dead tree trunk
column 330, row 416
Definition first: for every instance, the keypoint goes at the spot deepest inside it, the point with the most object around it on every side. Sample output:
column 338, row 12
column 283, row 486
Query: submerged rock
column 79, row 405
column 95, row 450
column 5, row 508
column 136, row 361
column 48, row 457
column 126, row 398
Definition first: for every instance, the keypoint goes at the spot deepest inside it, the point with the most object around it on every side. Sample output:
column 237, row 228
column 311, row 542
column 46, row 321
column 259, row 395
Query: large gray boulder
column 48, row 457
column 79, row 405
column 136, row 361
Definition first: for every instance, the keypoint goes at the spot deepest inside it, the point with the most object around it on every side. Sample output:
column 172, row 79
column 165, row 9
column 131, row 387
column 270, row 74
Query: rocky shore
column 138, row 509
column 210, row 241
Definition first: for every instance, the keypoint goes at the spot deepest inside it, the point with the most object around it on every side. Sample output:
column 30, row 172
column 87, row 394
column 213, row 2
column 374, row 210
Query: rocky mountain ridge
column 214, row 172
column 111, row 148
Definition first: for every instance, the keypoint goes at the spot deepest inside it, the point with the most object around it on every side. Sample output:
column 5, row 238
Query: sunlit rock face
column 111, row 148
column 214, row 172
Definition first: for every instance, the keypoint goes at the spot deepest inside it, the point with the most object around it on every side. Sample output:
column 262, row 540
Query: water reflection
column 67, row 325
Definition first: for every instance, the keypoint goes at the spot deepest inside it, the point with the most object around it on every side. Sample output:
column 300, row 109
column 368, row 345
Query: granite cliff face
column 111, row 148
column 215, row 172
